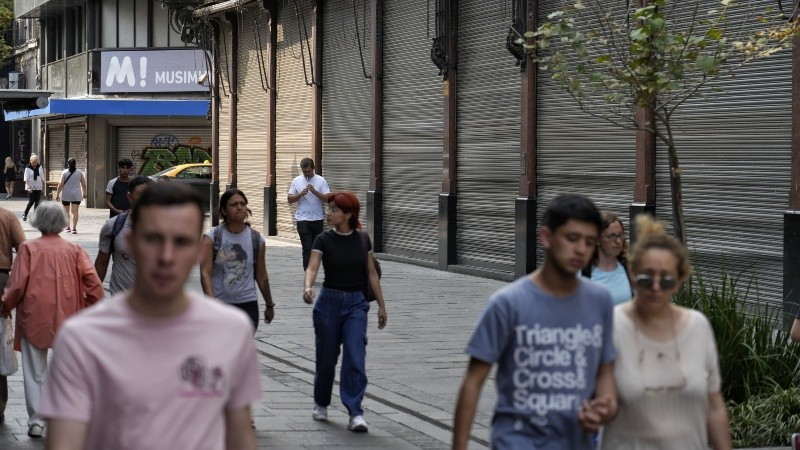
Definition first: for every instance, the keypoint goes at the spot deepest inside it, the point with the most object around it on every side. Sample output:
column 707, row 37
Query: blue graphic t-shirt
column 548, row 350
column 232, row 274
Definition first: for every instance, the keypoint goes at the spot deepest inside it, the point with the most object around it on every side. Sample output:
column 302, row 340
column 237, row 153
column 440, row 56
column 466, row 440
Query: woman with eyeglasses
column 609, row 265
column 667, row 369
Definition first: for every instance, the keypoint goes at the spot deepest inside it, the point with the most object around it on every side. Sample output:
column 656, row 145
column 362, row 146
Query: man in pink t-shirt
column 157, row 367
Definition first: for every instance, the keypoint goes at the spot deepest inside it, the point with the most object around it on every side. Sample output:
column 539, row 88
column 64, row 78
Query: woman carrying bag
column 340, row 312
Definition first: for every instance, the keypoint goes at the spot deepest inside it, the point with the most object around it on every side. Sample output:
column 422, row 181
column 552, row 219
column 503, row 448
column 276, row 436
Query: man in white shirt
column 310, row 191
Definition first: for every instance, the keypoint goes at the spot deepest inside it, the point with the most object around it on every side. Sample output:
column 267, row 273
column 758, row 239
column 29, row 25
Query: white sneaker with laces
column 319, row 413
column 357, row 424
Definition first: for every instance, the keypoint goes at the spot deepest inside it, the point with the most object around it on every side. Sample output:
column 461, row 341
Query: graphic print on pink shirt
column 203, row 382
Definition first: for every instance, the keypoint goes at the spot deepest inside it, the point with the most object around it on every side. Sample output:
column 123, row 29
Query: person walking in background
column 310, row 191
column 550, row 333
column 233, row 260
column 11, row 236
column 34, row 184
column 160, row 366
column 117, row 189
column 71, row 191
column 609, row 264
column 10, row 177
column 667, row 370
column 113, row 244
column 64, row 282
column 340, row 312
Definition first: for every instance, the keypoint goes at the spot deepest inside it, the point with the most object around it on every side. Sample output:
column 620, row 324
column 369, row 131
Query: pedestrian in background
column 117, row 189
column 114, row 244
column 340, row 312
column 160, row 366
column 667, row 369
column 10, row 176
column 73, row 187
column 11, row 236
column 609, row 264
column 550, row 334
column 233, row 260
column 310, row 191
column 34, row 184
column 51, row 279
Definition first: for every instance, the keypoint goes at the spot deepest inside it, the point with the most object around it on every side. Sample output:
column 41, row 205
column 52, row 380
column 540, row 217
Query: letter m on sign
column 120, row 72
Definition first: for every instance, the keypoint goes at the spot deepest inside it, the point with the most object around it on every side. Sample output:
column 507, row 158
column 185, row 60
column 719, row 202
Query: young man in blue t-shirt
column 550, row 334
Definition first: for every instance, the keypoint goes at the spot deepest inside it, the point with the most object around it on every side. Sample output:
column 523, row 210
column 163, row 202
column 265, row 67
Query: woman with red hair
column 340, row 312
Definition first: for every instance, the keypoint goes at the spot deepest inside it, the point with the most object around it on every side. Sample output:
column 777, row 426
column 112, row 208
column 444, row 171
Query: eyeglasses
column 647, row 281
column 614, row 236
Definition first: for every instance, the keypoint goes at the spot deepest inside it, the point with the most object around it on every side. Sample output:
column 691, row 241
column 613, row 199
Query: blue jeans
column 340, row 320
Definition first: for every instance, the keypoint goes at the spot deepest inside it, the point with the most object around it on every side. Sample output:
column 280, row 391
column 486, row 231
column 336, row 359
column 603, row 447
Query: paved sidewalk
column 414, row 365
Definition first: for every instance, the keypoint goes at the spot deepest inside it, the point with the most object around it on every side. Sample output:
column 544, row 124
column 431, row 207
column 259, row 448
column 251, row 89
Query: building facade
column 125, row 86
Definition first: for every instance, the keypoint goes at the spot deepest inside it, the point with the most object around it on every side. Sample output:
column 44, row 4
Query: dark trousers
column 3, row 380
column 33, row 200
column 308, row 231
column 251, row 308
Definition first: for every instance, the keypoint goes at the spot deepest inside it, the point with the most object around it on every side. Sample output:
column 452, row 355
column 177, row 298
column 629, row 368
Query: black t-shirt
column 344, row 260
column 119, row 196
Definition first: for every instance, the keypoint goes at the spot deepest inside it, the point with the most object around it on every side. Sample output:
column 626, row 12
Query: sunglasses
column 646, row 281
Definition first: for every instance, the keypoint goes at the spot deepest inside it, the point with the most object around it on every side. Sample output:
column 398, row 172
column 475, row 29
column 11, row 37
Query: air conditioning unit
column 13, row 80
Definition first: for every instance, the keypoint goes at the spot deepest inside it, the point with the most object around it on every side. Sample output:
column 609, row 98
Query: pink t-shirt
column 140, row 382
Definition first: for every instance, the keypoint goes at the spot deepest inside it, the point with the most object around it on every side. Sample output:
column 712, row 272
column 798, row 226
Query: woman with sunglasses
column 667, row 369
column 609, row 264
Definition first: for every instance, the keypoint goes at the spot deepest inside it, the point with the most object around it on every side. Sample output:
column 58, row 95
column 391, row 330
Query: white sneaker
column 357, row 424
column 319, row 413
column 35, row 431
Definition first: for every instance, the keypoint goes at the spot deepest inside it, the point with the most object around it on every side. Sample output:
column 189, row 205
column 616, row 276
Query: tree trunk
column 676, row 189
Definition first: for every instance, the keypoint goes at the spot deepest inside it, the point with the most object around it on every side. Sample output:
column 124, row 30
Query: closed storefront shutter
column 293, row 129
column 224, row 64
column 56, row 152
column 578, row 153
column 154, row 148
column 346, row 98
column 252, row 117
column 412, row 133
column 735, row 154
column 488, row 137
column 77, row 145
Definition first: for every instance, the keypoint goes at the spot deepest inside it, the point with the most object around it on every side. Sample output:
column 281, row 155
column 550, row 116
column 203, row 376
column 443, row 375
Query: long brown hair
column 607, row 219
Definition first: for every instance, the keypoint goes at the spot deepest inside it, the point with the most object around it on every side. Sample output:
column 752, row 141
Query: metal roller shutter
column 412, row 133
column 133, row 142
column 224, row 64
column 488, row 137
column 346, row 98
column 77, row 145
column 293, row 121
column 252, row 121
column 578, row 153
column 56, row 152
column 735, row 155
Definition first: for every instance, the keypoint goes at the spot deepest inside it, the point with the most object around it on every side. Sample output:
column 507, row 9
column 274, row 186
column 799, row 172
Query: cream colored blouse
column 663, row 387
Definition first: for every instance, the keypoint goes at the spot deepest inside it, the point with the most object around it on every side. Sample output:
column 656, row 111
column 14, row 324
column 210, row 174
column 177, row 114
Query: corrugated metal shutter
column 735, row 156
column 293, row 129
column 77, row 145
column 412, row 133
column 56, row 152
column 224, row 64
column 252, row 121
column 346, row 98
column 578, row 153
column 488, row 137
column 133, row 142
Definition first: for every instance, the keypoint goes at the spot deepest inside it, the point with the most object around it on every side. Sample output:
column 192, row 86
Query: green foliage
column 756, row 356
column 766, row 420
column 6, row 18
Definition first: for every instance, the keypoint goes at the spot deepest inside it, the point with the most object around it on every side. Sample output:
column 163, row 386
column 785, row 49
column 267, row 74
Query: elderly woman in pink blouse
column 51, row 279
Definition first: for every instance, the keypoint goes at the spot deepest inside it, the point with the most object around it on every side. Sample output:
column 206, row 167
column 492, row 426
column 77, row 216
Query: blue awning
column 114, row 107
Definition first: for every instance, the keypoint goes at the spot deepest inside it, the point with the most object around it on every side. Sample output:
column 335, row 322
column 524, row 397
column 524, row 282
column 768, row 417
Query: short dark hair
column 226, row 197
column 167, row 194
column 125, row 162
column 571, row 206
column 306, row 163
column 138, row 181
